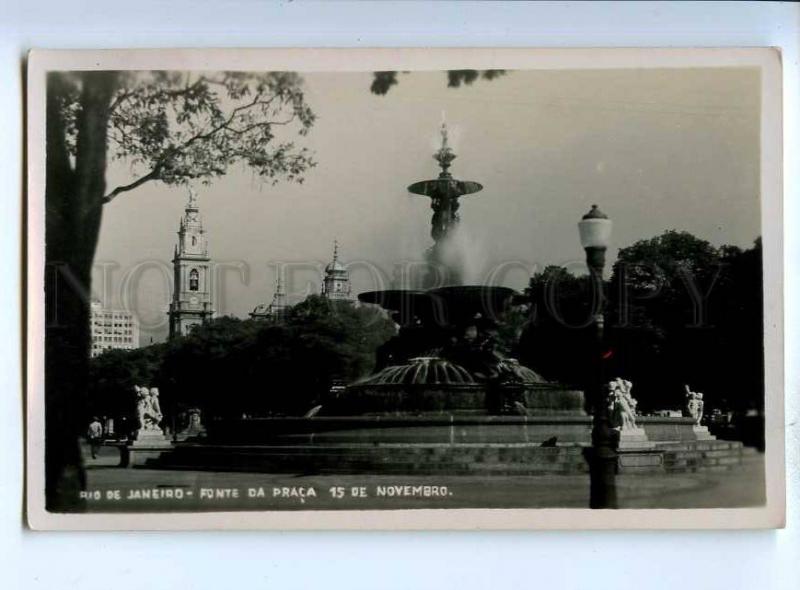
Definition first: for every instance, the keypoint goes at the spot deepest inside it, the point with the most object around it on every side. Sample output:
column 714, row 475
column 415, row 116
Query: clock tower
column 191, row 300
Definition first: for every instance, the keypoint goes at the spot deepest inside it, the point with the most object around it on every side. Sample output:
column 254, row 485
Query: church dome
column 335, row 266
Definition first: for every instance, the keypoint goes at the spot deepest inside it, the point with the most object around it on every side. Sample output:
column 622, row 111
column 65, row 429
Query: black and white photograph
column 441, row 288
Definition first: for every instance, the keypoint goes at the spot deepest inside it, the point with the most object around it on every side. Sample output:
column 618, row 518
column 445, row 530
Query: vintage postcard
column 404, row 289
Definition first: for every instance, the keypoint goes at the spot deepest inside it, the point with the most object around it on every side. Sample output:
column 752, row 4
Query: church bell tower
column 191, row 300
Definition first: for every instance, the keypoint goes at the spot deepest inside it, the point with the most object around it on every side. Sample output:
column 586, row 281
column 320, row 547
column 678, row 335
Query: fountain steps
column 704, row 455
column 455, row 460
column 354, row 466
column 400, row 459
column 713, row 445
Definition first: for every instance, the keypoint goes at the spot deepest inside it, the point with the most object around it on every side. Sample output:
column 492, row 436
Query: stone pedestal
column 634, row 439
column 153, row 439
column 147, row 445
column 191, row 432
column 702, row 433
column 635, row 453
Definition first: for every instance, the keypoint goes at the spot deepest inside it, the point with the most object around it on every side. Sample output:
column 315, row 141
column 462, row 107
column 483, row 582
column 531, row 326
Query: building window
column 194, row 240
column 194, row 280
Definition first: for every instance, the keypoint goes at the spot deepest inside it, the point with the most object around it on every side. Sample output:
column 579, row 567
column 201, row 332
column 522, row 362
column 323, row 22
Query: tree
column 669, row 275
column 170, row 127
column 678, row 311
column 230, row 367
column 555, row 341
column 682, row 311
column 338, row 340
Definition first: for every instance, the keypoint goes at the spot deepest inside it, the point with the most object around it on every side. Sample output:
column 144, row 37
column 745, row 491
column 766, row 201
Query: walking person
column 95, row 436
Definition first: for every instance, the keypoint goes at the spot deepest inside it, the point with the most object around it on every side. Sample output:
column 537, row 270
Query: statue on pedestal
column 193, row 425
column 148, row 411
column 694, row 408
column 622, row 405
column 622, row 409
column 694, row 405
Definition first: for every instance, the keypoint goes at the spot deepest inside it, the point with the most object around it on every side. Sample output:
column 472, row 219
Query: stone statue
column 148, row 436
column 148, row 409
column 622, row 409
column 193, row 425
column 699, row 404
column 195, row 422
column 621, row 405
column 155, row 406
column 628, row 386
column 142, row 402
column 694, row 405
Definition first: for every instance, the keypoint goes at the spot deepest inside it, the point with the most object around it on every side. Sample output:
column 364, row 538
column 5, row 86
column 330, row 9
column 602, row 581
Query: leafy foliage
column 687, row 312
column 678, row 311
column 667, row 268
column 555, row 340
column 179, row 126
column 231, row 367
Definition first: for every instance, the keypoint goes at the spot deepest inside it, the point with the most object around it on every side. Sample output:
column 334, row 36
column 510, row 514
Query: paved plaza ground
column 115, row 489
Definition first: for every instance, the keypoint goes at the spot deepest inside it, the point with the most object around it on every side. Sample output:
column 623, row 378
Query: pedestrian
column 95, row 435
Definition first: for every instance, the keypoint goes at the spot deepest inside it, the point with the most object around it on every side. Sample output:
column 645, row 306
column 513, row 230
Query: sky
column 656, row 149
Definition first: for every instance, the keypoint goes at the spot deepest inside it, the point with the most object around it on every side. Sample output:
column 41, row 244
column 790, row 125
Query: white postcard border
column 772, row 515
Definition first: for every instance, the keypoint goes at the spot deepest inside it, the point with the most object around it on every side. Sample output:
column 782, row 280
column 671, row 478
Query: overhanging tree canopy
column 173, row 127
column 179, row 126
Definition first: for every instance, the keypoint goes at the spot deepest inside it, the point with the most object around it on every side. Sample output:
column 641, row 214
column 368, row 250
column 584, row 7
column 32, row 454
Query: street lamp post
column 595, row 232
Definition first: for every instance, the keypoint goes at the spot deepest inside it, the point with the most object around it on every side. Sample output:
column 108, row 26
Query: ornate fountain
column 444, row 193
column 446, row 357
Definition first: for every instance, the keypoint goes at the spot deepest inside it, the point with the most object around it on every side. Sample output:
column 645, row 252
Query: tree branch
column 262, row 125
column 226, row 124
column 200, row 116
column 152, row 175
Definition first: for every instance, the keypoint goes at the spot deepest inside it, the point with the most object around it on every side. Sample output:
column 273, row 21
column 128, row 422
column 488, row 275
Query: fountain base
column 444, row 445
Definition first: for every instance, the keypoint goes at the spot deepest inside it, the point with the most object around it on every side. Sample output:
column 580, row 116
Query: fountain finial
column 445, row 155
column 335, row 250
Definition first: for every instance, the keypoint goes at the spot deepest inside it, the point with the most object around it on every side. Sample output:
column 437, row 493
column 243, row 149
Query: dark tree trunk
column 74, row 199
